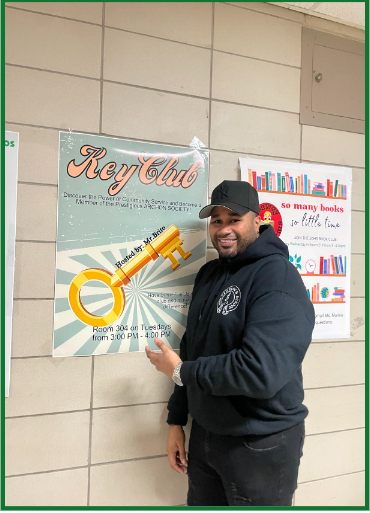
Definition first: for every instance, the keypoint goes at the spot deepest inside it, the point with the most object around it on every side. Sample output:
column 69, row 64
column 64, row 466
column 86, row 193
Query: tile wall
column 77, row 432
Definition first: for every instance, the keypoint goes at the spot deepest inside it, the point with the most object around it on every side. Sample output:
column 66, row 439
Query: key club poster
column 129, row 243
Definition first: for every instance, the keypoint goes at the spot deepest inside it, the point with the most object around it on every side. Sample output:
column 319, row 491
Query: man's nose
column 225, row 230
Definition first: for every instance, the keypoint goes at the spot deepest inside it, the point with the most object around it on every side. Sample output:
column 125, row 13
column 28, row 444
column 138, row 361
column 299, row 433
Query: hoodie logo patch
column 229, row 300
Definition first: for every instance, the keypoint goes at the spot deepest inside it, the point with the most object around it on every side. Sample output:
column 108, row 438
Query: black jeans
column 246, row 470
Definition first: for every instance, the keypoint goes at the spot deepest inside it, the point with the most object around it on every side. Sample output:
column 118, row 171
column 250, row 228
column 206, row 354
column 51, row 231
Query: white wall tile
column 34, row 270
column 91, row 12
column 252, row 130
column 35, row 385
column 137, row 483
column 52, row 43
column 36, row 212
column 334, row 409
column 358, row 275
column 273, row 10
column 66, row 488
column 334, row 364
column 37, row 341
column 343, row 491
column 332, row 454
column 38, row 154
column 123, row 379
column 358, row 189
column 179, row 21
column 211, row 255
column 151, row 115
column 129, row 432
column 253, row 82
column 257, row 35
column 357, row 232
column 50, row 99
column 186, row 69
column 333, row 146
column 46, row 442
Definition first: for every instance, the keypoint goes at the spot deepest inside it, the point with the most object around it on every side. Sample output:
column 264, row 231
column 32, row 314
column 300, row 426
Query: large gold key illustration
column 164, row 245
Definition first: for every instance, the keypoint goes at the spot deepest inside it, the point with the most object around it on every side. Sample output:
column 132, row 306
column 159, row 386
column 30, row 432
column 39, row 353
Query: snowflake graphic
column 296, row 261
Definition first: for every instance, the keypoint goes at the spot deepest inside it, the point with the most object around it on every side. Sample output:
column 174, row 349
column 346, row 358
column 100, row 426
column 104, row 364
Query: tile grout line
column 210, row 82
column 243, row 152
column 257, row 59
column 85, row 466
column 263, row 13
column 25, row 474
column 90, row 431
column 155, row 89
column 43, row 70
column 38, row 183
column 338, row 431
column 53, row 15
column 115, row 407
column 102, row 69
column 157, row 37
column 142, row 459
column 331, row 477
column 336, row 386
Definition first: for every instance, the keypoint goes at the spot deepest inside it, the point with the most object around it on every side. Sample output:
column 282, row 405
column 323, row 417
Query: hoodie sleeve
column 276, row 337
column 178, row 402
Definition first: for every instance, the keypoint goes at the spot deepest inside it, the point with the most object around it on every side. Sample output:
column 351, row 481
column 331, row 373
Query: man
column 239, row 372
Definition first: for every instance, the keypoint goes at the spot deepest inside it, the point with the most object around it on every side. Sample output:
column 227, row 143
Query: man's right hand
column 176, row 449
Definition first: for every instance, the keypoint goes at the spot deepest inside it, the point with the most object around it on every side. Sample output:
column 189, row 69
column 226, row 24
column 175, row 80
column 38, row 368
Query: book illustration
column 301, row 185
column 333, row 266
column 321, row 295
column 164, row 245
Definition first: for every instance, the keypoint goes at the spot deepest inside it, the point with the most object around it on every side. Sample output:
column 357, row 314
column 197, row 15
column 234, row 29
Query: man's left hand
column 166, row 360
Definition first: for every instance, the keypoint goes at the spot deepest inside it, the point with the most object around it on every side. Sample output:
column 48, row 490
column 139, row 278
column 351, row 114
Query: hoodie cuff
column 186, row 371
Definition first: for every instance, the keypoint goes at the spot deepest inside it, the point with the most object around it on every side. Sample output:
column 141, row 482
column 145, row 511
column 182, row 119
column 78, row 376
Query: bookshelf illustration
column 301, row 185
column 321, row 296
column 332, row 266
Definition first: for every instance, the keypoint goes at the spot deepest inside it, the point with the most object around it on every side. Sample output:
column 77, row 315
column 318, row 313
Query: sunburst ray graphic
column 156, row 300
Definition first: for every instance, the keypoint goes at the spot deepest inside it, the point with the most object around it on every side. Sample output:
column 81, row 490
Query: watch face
column 310, row 266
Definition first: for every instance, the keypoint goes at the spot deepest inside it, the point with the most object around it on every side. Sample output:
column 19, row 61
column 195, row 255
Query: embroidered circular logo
column 271, row 215
column 229, row 300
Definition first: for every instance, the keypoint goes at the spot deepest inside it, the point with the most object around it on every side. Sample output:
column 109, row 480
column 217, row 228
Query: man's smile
column 226, row 242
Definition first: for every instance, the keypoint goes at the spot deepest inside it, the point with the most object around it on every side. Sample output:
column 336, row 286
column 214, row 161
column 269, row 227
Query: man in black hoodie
column 239, row 371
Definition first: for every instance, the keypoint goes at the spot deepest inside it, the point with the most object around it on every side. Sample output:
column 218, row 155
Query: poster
column 11, row 177
column 129, row 243
column 309, row 207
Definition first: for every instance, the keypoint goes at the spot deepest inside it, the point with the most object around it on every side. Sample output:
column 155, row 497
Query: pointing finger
column 162, row 346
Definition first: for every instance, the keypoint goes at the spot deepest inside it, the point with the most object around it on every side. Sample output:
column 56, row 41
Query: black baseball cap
column 240, row 197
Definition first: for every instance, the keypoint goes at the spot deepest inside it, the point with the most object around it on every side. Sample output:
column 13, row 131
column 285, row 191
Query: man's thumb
column 182, row 455
column 162, row 346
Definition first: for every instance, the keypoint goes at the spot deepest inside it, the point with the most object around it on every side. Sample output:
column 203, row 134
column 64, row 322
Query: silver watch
column 176, row 375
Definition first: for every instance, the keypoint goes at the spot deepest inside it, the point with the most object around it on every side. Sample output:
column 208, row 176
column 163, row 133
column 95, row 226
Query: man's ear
column 257, row 223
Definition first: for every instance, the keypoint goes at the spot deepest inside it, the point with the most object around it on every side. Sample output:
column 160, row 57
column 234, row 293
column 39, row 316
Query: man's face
column 232, row 233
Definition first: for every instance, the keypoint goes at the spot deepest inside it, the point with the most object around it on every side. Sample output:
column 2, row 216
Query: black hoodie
column 249, row 326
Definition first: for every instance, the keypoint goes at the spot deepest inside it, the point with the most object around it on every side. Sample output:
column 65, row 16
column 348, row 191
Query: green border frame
column 2, row 298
